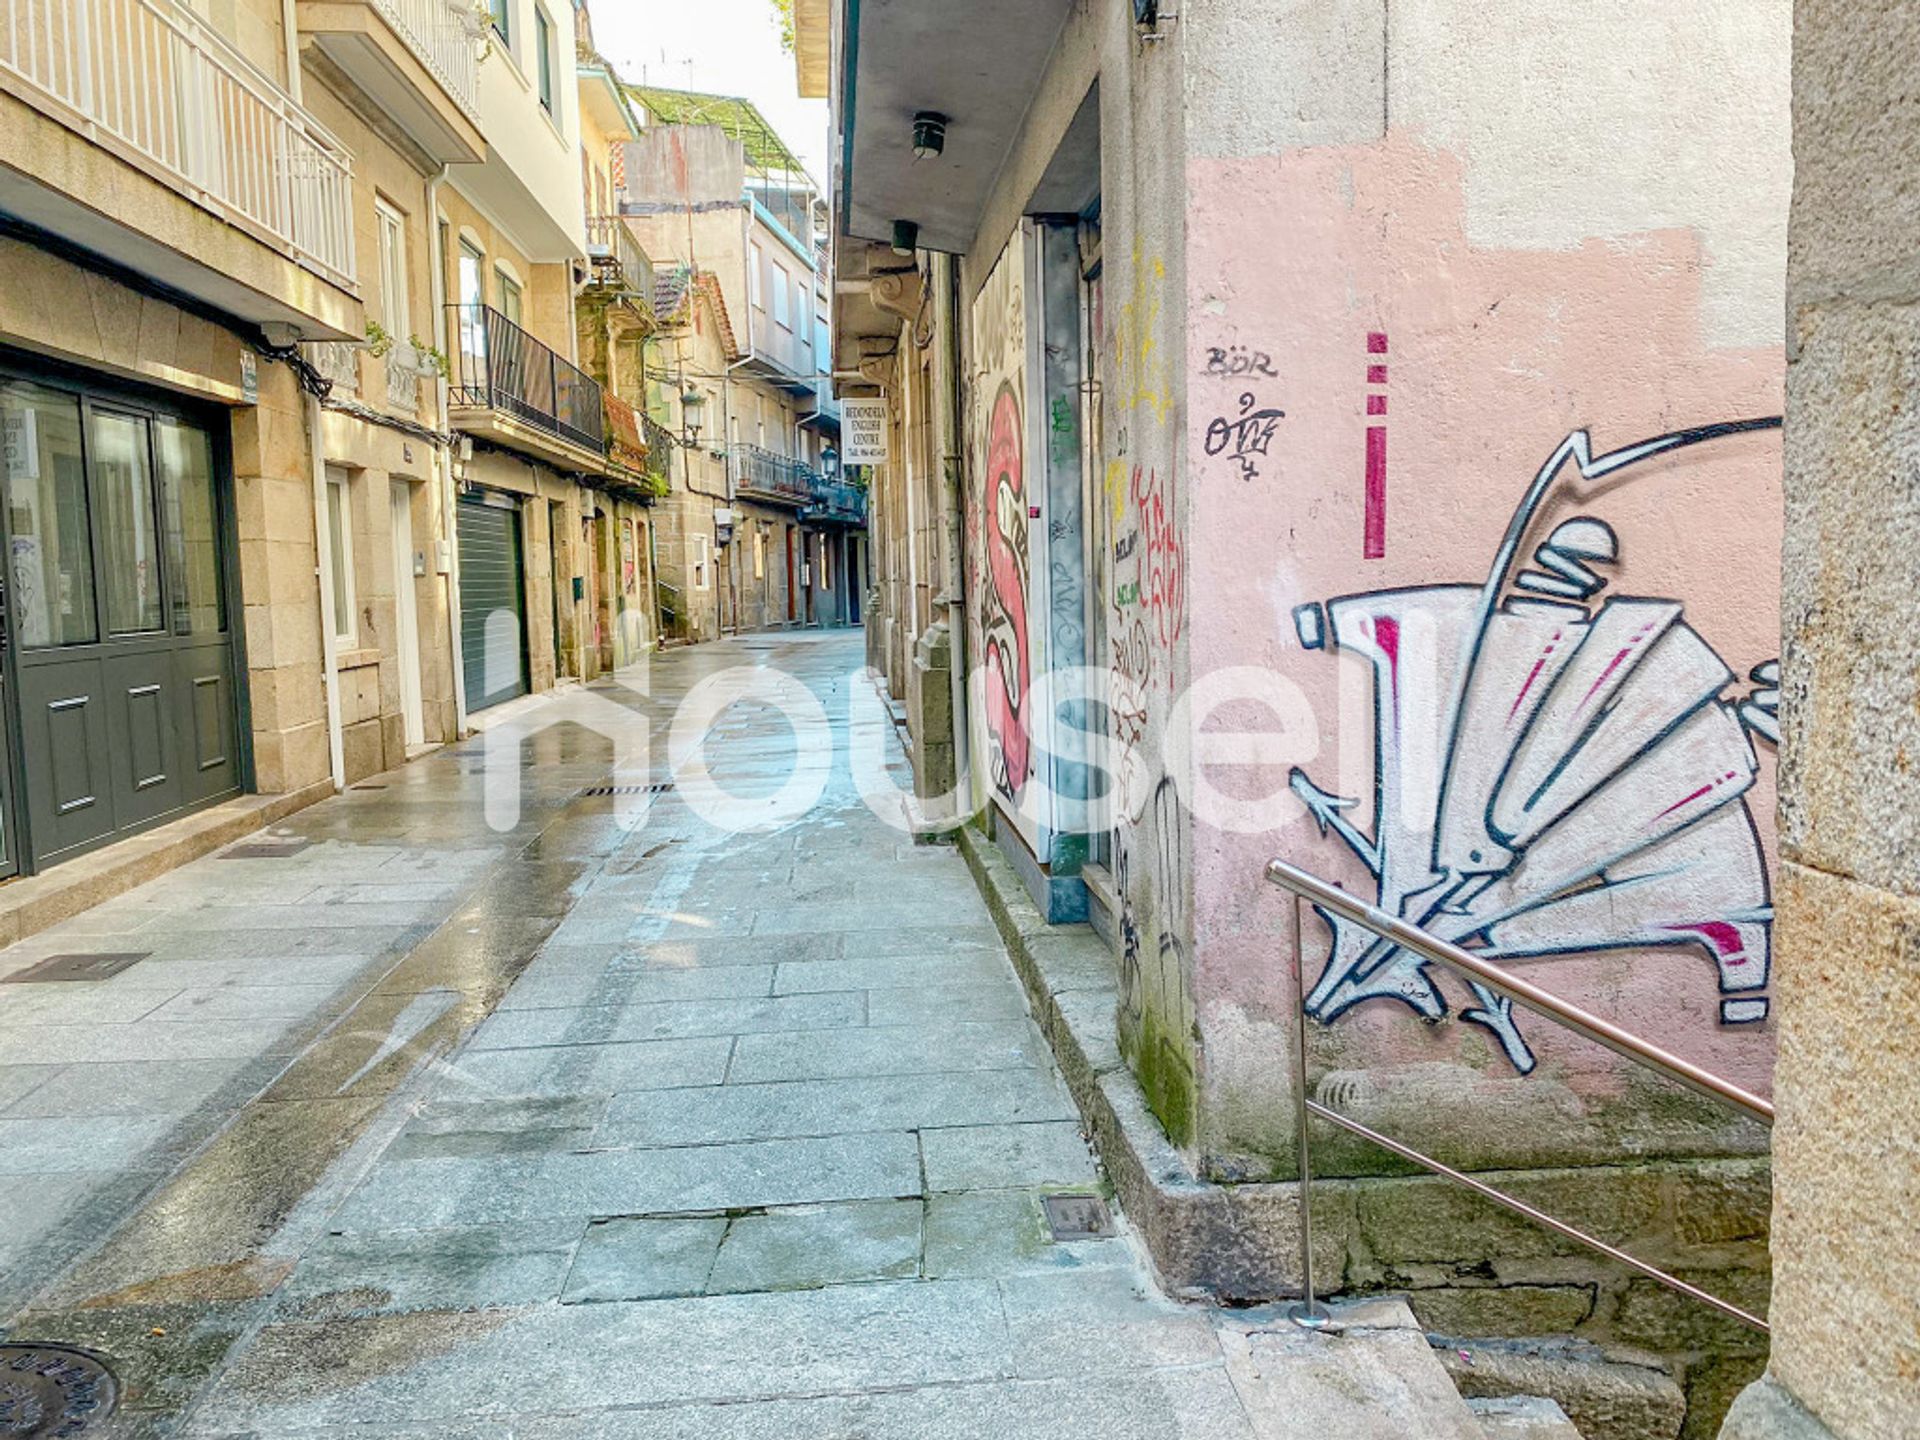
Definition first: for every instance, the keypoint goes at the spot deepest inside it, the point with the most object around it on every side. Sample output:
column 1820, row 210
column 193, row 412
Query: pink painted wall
column 1440, row 375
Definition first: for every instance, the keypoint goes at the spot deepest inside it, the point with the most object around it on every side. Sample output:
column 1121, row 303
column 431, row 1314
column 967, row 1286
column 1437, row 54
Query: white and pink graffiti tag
column 1555, row 773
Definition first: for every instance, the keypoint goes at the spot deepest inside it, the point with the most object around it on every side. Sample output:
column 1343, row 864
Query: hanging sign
column 863, row 432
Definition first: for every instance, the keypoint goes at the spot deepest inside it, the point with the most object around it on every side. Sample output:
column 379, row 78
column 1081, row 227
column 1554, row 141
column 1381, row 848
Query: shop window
column 51, row 567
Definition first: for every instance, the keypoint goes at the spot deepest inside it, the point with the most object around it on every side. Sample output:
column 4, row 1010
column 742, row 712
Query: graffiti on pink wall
column 1004, row 610
column 1556, row 773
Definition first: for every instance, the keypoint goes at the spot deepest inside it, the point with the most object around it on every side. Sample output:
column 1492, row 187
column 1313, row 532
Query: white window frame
column 826, row 564
column 505, row 282
column 756, row 258
column 546, row 62
column 702, row 566
column 391, row 228
column 340, row 545
column 782, row 307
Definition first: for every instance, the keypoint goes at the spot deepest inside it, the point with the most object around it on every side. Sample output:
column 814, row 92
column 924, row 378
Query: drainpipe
column 443, row 482
column 952, row 504
column 290, row 33
column 323, row 553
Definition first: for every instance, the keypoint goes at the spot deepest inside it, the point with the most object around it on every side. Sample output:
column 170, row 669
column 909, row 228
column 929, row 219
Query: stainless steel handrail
column 1304, row 886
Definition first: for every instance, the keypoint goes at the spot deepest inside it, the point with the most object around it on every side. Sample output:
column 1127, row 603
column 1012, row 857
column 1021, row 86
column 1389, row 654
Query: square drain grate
column 76, row 967
column 664, row 787
column 1079, row 1217
column 266, row 849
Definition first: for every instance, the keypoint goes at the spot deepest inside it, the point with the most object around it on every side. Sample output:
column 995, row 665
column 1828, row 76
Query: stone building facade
column 1343, row 411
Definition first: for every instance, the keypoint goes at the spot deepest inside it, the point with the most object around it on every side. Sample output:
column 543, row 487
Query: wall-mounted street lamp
column 929, row 135
column 830, row 463
column 693, row 410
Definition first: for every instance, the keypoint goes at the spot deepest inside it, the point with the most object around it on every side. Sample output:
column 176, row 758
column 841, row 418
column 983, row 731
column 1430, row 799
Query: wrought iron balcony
column 498, row 366
column 619, row 263
column 760, row 474
column 154, row 83
column 838, row 502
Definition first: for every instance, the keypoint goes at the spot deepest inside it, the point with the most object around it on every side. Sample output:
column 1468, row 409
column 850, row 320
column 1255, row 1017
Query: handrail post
column 1309, row 1314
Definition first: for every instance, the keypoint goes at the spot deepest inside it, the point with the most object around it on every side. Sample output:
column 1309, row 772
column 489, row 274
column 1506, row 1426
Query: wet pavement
column 613, row 1123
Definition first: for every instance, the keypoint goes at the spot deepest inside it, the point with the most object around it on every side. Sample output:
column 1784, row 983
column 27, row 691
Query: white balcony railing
column 151, row 78
column 444, row 35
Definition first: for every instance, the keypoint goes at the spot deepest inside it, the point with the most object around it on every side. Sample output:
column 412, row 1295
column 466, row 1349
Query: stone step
column 1523, row 1417
column 1370, row 1375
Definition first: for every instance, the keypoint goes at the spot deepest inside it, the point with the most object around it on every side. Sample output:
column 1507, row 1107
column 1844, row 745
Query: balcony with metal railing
column 418, row 61
column 760, row 474
column 836, row 502
column 514, row 389
column 620, row 265
column 158, row 87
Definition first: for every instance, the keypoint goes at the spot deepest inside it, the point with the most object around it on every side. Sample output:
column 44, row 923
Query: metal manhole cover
column 266, row 849
column 1078, row 1217
column 53, row 1390
column 662, row 788
column 76, row 967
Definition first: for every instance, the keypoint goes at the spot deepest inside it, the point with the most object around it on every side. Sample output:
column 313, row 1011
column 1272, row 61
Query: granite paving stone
column 810, row 1246
column 670, row 1020
column 462, row 1268
column 979, row 1157
column 923, row 1004
column 1004, row 1232
column 891, row 972
column 66, row 1144
column 644, row 1259
column 437, row 1192
column 603, row 1069
column 833, row 1107
column 890, row 1050
column 537, row 989
column 137, row 1087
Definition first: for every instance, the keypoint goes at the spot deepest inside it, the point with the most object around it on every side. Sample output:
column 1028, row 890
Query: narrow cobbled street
column 400, row 1125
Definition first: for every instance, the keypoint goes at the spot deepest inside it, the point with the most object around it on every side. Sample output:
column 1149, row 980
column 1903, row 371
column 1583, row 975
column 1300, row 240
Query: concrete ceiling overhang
column 979, row 63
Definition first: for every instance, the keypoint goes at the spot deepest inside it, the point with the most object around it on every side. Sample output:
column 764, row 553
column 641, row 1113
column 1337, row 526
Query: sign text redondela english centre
column 863, row 432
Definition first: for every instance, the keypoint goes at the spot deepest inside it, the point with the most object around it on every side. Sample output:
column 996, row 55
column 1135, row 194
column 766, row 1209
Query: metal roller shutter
column 493, row 653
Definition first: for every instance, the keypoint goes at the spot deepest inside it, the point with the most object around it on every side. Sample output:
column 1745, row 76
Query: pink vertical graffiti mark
column 1387, row 632
column 1374, row 538
column 1376, row 532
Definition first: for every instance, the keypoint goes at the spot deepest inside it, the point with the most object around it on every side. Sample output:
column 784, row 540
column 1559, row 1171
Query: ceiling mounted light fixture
column 929, row 134
column 906, row 237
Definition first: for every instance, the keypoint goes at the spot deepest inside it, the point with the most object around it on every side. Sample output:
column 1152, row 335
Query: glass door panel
column 51, row 561
column 192, row 527
column 129, row 536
